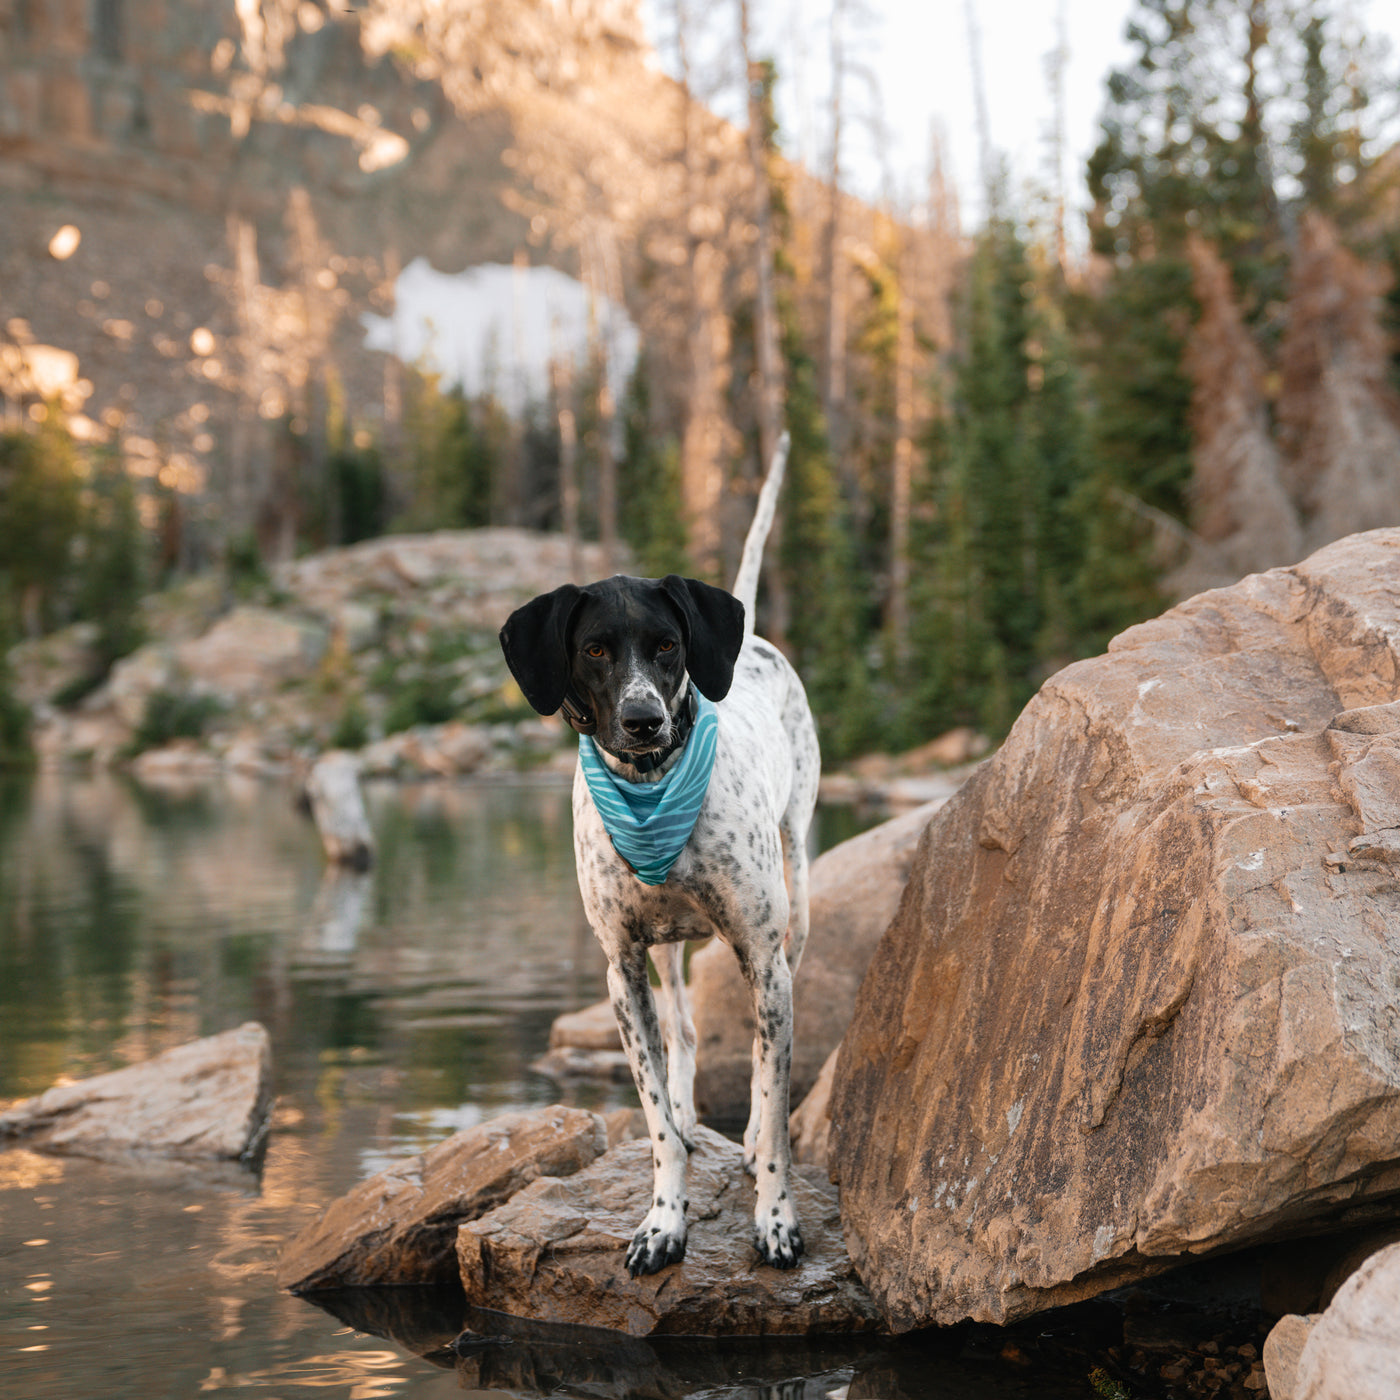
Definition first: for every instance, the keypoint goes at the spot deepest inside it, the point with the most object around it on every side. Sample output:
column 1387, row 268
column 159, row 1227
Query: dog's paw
column 659, row 1241
column 777, row 1237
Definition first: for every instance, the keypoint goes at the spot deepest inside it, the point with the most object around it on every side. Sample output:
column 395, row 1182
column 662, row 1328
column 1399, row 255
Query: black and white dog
column 619, row 658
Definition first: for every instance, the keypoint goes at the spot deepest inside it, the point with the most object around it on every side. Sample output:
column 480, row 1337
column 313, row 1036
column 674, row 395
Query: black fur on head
column 621, row 649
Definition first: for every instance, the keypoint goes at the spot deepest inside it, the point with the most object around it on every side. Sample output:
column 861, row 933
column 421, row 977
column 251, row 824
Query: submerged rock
column 1138, row 1002
column 399, row 1226
column 209, row 1099
column 555, row 1253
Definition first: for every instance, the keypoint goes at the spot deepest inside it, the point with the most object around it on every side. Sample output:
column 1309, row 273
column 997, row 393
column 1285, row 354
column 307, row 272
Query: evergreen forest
column 1008, row 444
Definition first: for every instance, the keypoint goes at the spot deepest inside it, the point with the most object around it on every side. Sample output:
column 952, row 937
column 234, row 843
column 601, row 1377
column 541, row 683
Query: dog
column 623, row 660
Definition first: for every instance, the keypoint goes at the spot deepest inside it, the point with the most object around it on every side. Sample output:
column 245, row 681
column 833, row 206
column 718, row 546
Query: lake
column 402, row 1005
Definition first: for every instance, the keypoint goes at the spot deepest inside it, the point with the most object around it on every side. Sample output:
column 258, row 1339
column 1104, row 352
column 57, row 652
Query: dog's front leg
column 669, row 959
column 660, row 1238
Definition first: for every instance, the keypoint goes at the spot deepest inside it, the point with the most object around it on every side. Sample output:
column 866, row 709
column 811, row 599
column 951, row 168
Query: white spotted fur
column 729, row 880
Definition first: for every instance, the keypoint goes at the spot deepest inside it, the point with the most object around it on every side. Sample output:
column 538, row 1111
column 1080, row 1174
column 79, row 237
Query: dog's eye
column 667, row 645
column 594, row 650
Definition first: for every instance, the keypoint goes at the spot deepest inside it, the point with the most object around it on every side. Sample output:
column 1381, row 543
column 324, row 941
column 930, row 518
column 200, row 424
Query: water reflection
column 401, row 1004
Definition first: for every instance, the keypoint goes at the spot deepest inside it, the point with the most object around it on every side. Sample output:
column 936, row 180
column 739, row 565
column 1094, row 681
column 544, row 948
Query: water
column 402, row 1006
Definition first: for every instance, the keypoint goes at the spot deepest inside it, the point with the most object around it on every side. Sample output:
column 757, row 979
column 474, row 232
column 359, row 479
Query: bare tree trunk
column 701, row 475
column 834, row 385
column 1056, row 63
column 902, row 473
column 245, row 484
column 393, row 368
column 770, row 383
column 561, row 373
column 979, row 100
column 315, row 330
column 603, row 280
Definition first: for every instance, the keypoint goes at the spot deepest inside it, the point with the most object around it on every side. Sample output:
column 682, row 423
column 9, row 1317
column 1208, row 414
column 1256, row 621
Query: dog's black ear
column 713, row 623
column 535, row 640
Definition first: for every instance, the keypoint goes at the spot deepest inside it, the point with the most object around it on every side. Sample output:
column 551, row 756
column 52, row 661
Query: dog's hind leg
column 777, row 1237
column 660, row 1238
column 799, row 870
column 680, row 1037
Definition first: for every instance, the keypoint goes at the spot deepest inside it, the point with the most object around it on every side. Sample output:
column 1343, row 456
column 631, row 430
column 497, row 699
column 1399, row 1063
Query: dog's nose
column 642, row 722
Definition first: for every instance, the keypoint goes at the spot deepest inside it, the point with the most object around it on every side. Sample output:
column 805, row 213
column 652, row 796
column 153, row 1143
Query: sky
column 917, row 53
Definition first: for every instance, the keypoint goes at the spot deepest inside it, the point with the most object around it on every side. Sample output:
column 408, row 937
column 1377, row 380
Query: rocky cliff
column 1139, row 1001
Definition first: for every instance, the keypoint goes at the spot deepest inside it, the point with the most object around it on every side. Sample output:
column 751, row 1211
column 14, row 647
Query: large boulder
column 400, row 1225
column 207, row 1100
column 556, row 1252
column 1138, row 1002
column 855, row 890
column 1349, row 1352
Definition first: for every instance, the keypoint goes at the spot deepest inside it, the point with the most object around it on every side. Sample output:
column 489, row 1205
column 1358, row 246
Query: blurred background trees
column 1006, row 447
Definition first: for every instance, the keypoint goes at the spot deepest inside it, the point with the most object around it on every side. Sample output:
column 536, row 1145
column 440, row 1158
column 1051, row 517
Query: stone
column 248, row 649
column 338, row 809
column 586, row 1044
column 1282, row 1349
column 855, row 890
column 1129, row 1011
column 1349, row 1352
column 809, row 1124
column 555, row 1253
column 399, row 1226
column 205, row 1100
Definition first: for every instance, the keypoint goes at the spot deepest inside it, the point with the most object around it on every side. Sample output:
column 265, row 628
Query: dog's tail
column 746, row 580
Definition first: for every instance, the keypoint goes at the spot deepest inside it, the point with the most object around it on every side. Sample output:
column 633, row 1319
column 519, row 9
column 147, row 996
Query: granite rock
column 555, row 1253
column 1139, row 1000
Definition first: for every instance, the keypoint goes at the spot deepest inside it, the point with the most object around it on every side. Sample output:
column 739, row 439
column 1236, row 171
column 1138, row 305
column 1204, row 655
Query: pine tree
column 649, row 479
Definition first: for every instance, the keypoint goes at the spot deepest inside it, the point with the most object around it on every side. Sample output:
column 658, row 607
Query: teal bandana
column 650, row 822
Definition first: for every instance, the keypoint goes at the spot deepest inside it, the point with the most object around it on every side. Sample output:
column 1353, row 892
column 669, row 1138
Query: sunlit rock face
column 1138, row 1002
column 205, row 1101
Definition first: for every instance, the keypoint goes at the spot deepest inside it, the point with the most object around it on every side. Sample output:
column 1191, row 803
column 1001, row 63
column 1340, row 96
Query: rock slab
column 1349, row 1352
column 1140, row 998
column 555, row 1253
column 400, row 1226
column 855, row 891
column 206, row 1100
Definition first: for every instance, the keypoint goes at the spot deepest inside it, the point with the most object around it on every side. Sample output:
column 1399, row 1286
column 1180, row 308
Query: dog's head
column 620, row 651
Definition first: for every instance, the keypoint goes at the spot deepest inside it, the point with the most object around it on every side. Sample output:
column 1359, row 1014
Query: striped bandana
column 649, row 823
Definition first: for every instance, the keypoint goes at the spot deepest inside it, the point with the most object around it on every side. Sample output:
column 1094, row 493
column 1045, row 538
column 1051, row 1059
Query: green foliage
column 356, row 476
column 170, row 715
column 649, row 484
column 998, row 550
column 243, row 563
column 40, row 516
column 15, row 749
column 72, row 546
column 426, row 699
column 456, row 453
column 114, row 558
column 352, row 728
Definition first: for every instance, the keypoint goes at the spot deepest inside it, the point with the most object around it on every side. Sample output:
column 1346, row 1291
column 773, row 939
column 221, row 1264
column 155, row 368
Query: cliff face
column 248, row 176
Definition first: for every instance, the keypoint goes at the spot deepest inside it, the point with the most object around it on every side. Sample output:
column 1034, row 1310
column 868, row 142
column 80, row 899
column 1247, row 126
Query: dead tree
column 770, row 405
